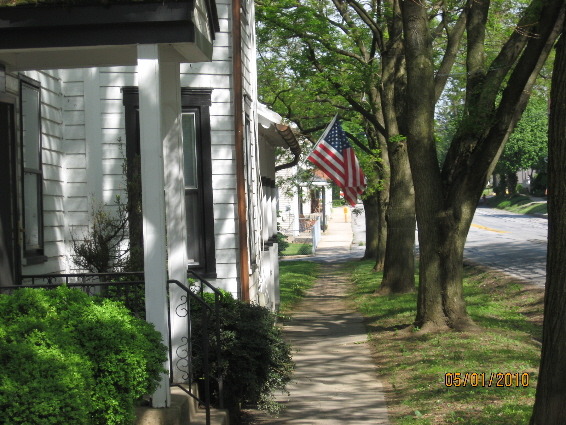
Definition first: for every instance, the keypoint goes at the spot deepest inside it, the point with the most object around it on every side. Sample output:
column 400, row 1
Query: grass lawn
column 520, row 204
column 413, row 365
column 298, row 249
column 295, row 278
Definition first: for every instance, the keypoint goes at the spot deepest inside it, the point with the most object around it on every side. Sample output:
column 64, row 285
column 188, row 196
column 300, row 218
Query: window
column 32, row 176
column 9, row 248
column 198, row 180
column 197, row 165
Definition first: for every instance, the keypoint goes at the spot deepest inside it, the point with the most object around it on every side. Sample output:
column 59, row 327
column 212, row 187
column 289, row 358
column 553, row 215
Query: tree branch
column 359, row 143
column 454, row 37
column 366, row 18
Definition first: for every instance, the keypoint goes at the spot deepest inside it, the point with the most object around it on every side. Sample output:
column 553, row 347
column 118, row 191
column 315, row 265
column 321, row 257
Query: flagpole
column 321, row 138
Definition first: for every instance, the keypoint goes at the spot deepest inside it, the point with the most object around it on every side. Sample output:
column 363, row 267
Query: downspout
column 244, row 290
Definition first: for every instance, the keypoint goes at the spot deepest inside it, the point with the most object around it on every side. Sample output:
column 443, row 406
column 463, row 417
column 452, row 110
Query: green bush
column 256, row 361
column 522, row 190
column 282, row 243
column 70, row 358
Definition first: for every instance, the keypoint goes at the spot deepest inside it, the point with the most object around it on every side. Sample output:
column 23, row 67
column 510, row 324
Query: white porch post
column 176, row 222
column 264, row 210
column 154, row 81
column 268, row 206
column 273, row 209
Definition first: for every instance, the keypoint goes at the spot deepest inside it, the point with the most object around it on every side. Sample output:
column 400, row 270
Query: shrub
column 71, row 358
column 282, row 243
column 256, row 361
column 522, row 190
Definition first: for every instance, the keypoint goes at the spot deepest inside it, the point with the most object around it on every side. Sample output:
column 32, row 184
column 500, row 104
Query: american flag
column 334, row 155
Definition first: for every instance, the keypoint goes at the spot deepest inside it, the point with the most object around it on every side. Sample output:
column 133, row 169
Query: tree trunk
column 382, row 245
column 440, row 303
column 446, row 202
column 371, row 209
column 549, row 408
column 399, row 267
column 385, row 173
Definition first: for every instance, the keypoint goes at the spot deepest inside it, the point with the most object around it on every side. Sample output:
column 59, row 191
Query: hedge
column 68, row 358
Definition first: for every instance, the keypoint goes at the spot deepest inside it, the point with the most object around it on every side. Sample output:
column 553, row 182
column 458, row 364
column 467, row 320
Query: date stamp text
column 493, row 379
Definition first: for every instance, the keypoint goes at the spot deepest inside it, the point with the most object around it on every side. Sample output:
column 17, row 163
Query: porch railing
column 193, row 306
column 129, row 287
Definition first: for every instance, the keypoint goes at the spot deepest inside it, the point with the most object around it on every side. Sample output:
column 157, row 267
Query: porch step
column 184, row 410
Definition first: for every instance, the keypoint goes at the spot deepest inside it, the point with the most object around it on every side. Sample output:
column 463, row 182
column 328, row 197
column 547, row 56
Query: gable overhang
column 89, row 35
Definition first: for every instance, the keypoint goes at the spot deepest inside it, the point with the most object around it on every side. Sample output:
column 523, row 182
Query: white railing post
column 315, row 231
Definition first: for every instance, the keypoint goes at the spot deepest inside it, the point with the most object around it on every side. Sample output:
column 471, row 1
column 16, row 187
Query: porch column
column 268, row 206
column 154, row 79
column 264, row 210
column 176, row 223
column 274, row 202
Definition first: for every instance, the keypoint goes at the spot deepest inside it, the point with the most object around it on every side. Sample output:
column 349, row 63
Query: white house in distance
column 301, row 201
column 84, row 88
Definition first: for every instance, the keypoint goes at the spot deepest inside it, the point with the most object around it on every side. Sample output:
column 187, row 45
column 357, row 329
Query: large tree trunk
column 446, row 202
column 399, row 267
column 371, row 209
column 549, row 408
column 382, row 245
column 441, row 236
column 385, row 173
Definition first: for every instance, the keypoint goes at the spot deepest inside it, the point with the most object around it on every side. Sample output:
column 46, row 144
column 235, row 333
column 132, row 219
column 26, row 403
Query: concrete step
column 184, row 410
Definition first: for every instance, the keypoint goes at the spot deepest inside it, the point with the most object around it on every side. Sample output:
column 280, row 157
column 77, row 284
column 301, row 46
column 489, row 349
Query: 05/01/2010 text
column 482, row 379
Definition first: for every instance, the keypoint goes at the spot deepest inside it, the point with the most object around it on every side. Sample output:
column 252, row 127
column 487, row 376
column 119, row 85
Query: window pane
column 31, row 211
column 31, row 131
column 190, row 150
column 194, row 228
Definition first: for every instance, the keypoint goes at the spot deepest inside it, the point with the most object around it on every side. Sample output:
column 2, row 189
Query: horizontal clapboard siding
column 53, row 171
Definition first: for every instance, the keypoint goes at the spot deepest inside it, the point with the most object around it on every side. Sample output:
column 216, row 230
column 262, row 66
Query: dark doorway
column 8, row 228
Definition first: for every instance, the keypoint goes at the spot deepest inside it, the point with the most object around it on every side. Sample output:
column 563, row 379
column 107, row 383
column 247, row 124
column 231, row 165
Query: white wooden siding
column 69, row 152
column 53, row 171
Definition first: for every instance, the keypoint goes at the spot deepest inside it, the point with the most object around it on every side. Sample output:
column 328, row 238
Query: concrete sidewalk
column 335, row 380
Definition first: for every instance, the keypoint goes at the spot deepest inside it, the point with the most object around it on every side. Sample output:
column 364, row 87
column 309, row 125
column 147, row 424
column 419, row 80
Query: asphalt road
column 512, row 243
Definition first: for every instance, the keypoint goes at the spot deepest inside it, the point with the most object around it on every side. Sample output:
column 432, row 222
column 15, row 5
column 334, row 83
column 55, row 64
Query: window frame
column 9, row 215
column 198, row 101
column 35, row 254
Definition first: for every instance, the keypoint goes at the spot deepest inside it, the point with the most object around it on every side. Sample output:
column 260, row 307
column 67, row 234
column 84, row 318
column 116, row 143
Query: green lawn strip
column 520, row 204
column 298, row 249
column 413, row 365
column 295, row 278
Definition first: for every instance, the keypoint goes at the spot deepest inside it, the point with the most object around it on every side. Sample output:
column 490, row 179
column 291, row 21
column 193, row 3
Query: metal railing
column 191, row 303
column 127, row 287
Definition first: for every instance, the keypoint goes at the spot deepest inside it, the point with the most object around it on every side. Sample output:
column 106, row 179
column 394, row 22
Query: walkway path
column 335, row 381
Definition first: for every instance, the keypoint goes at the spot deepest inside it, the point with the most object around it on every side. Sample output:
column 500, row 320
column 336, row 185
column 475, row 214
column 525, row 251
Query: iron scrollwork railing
column 191, row 359
column 129, row 287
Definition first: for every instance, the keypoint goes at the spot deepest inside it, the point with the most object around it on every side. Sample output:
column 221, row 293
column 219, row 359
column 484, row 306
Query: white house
column 299, row 202
column 84, row 88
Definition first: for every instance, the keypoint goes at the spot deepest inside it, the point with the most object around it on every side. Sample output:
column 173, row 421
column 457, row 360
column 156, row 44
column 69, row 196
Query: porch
column 82, row 35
